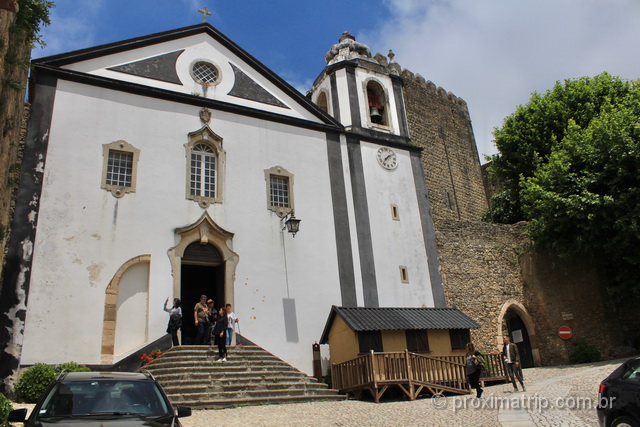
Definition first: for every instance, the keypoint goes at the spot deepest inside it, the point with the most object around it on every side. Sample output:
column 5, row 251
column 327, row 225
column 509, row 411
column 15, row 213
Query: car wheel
column 624, row 422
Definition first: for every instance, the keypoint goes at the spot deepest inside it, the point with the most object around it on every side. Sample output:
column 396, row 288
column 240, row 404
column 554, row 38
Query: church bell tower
column 363, row 92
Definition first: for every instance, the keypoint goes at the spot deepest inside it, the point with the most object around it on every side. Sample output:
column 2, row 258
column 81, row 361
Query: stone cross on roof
column 204, row 13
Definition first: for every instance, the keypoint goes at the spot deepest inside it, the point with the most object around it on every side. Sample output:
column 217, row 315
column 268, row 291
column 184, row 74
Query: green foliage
column 32, row 14
column 583, row 352
column 568, row 163
column 72, row 367
column 5, row 408
column 35, row 380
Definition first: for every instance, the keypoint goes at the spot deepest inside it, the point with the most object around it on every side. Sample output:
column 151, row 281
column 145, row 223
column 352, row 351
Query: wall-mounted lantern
column 291, row 223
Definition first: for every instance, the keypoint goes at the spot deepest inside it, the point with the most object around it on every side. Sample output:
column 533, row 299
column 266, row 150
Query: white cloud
column 70, row 31
column 495, row 53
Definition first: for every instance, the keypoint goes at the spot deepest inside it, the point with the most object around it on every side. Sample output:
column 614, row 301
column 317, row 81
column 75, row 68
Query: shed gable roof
column 360, row 319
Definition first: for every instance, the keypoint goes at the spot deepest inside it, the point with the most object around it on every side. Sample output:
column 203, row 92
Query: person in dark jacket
column 175, row 319
column 220, row 334
column 511, row 357
column 473, row 367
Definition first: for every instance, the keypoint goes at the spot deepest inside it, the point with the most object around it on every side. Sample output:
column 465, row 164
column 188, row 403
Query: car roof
column 92, row 376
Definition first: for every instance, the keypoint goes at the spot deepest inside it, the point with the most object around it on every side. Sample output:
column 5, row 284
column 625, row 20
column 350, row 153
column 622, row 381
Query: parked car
column 619, row 396
column 102, row 398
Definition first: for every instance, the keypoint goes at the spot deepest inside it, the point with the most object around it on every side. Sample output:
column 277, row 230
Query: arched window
column 323, row 102
column 205, row 164
column 203, row 171
column 377, row 103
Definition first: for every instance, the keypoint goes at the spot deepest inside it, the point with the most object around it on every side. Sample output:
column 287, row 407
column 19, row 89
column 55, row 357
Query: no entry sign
column 564, row 332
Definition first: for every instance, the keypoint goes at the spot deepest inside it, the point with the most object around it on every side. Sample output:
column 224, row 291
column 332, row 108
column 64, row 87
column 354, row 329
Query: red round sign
column 564, row 332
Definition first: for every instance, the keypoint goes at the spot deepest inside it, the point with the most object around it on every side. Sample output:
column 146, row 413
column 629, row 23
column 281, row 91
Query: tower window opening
column 376, row 99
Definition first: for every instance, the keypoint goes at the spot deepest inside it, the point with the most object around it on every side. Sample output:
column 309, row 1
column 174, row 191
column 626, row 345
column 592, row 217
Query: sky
column 491, row 53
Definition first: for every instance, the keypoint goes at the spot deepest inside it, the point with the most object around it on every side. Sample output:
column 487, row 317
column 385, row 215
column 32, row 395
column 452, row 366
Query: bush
column 5, row 408
column 35, row 380
column 72, row 367
column 583, row 352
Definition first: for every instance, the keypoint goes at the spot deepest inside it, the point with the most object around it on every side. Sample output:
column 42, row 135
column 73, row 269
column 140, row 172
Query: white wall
column 85, row 234
column 132, row 309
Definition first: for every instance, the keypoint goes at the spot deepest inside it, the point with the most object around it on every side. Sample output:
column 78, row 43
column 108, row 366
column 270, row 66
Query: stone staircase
column 191, row 376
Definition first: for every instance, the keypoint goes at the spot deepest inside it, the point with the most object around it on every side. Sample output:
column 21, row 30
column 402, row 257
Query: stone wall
column 439, row 123
column 489, row 268
column 14, row 60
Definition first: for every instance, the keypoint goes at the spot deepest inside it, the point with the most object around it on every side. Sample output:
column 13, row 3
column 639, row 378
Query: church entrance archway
column 202, row 273
column 202, row 264
column 514, row 321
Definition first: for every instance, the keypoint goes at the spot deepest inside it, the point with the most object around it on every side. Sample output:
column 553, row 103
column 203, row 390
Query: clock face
column 387, row 158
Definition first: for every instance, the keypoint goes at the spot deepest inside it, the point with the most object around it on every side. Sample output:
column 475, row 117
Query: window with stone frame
column 119, row 168
column 279, row 190
column 205, row 165
column 459, row 338
column 417, row 340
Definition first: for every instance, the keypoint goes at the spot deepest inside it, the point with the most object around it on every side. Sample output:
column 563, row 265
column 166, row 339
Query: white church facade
column 167, row 166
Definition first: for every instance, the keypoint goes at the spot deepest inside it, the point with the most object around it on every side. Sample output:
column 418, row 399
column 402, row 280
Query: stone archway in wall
column 111, row 302
column 204, row 232
column 515, row 310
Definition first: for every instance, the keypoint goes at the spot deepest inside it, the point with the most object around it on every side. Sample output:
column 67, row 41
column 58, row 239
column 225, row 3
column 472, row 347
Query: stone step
column 240, row 395
column 220, row 404
column 218, row 370
column 239, row 376
column 191, row 376
column 216, row 387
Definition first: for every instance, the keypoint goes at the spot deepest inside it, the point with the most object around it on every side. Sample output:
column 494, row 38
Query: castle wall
column 13, row 53
column 488, row 268
column 439, row 122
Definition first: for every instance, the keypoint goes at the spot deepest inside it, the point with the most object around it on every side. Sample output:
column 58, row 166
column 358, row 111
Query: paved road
column 555, row 396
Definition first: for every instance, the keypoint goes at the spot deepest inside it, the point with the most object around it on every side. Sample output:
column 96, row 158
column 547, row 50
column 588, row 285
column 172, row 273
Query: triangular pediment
column 195, row 61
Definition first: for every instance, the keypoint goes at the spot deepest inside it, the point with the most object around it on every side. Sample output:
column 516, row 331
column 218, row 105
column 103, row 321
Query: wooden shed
column 414, row 348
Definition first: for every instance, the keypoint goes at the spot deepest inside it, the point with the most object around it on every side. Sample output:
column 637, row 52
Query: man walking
column 511, row 357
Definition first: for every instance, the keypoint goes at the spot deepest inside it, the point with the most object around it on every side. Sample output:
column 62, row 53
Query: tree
column 569, row 161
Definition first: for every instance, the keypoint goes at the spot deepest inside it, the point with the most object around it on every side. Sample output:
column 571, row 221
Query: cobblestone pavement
column 555, row 396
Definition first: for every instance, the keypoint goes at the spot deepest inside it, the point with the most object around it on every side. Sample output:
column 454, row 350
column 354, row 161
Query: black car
column 103, row 398
column 619, row 396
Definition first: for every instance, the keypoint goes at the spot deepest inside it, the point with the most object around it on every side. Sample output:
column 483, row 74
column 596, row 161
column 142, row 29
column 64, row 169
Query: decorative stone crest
column 205, row 116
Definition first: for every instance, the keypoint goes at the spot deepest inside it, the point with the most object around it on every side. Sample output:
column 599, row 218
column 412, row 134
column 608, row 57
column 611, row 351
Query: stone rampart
column 489, row 269
column 14, row 60
column 439, row 122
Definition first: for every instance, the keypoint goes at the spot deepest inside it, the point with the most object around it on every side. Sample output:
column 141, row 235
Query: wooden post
column 409, row 374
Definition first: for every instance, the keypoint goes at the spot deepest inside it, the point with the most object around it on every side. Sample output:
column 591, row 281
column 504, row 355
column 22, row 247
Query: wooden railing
column 411, row 372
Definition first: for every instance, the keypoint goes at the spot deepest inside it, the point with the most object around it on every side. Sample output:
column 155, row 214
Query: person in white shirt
column 232, row 320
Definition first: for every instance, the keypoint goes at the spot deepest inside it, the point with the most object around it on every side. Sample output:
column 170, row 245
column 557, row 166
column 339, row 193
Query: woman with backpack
column 474, row 363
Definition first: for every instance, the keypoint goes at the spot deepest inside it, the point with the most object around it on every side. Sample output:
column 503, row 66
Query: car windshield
column 86, row 398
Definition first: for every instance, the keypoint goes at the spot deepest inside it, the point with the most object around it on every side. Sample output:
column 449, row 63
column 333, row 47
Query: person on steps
column 220, row 334
column 175, row 319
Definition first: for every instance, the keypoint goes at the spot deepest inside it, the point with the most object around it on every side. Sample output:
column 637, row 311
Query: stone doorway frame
column 205, row 231
column 521, row 311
